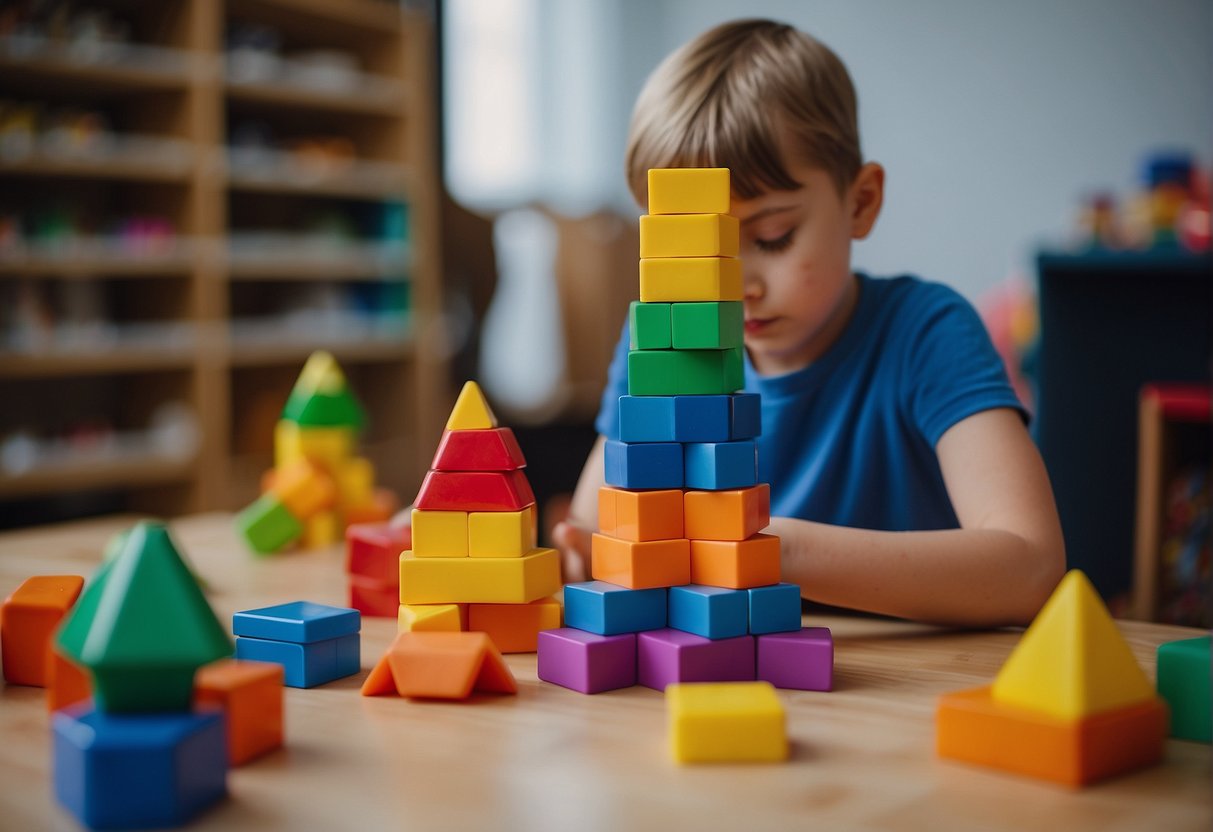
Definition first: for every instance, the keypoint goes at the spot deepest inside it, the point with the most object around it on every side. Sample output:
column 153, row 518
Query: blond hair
column 732, row 96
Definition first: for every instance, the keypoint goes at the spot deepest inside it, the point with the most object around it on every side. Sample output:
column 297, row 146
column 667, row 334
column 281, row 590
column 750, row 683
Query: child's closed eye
column 775, row 245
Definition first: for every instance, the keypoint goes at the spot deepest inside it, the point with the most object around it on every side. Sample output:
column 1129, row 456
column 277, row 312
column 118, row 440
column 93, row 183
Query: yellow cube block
column 440, row 534
column 689, row 235
column 416, row 618
column 329, row 447
column 355, row 482
column 479, row 580
column 689, row 191
column 501, row 534
column 673, row 279
column 320, row 530
column 726, row 722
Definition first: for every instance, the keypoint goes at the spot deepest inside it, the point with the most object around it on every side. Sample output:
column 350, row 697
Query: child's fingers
column 574, row 545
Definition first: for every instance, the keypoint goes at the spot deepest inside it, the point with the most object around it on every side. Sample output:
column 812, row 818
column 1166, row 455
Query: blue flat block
column 674, row 418
column 608, row 610
column 745, row 416
column 715, row 466
column 299, row 621
column 305, row 665
column 709, row 611
column 643, row 465
column 138, row 771
column 646, row 419
column 701, row 418
column 774, row 609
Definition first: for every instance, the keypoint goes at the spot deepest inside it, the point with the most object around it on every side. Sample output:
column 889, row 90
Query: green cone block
column 322, row 398
column 1183, row 680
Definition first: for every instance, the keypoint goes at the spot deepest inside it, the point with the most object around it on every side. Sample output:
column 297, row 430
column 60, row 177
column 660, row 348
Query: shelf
column 346, row 351
column 132, row 470
column 360, row 181
column 125, row 69
column 386, row 99
column 81, row 362
column 354, row 16
column 98, row 167
column 95, row 264
column 352, row 267
column 1095, row 262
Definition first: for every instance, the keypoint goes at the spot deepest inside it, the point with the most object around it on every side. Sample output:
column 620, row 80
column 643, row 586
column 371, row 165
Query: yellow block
column 440, row 534
column 673, row 279
column 471, row 410
column 1072, row 662
column 479, row 580
column 726, row 722
column 329, row 447
column 689, row 235
column 320, row 374
column 416, row 618
column 355, row 482
column 320, row 530
column 689, row 191
column 501, row 534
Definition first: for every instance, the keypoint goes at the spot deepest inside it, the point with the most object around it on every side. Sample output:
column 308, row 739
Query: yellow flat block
column 673, row 279
column 418, row 618
column 501, row 534
column 689, row 191
column 440, row 534
column 329, row 447
column 726, row 722
column 689, row 235
column 355, row 482
column 320, row 530
column 479, row 580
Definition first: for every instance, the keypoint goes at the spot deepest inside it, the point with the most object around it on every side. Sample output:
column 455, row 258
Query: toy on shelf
column 314, row 643
column 1183, row 681
column 27, row 619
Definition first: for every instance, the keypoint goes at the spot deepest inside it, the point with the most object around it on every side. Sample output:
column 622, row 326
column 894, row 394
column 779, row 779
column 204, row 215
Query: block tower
column 686, row 586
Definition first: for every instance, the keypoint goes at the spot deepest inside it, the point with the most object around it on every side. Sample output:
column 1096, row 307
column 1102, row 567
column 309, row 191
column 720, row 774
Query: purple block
column 803, row 660
column 664, row 657
column 587, row 662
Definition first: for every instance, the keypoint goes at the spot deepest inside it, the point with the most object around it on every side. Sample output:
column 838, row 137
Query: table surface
column 549, row 758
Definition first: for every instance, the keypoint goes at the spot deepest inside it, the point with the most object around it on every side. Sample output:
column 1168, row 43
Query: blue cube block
column 607, row 609
column 138, row 771
column 701, row 418
column 715, row 466
column 674, row 418
column 305, row 665
column 745, row 416
column 299, row 621
column 643, row 465
column 709, row 611
column 774, row 609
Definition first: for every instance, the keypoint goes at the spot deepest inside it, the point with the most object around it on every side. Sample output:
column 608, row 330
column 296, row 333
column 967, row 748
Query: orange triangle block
column 379, row 682
column 471, row 410
column 441, row 665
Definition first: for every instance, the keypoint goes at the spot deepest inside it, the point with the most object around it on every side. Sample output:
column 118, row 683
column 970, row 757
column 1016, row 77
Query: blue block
column 306, row 665
column 746, row 416
column 774, row 609
column 299, row 621
column 608, row 610
column 138, row 771
column 715, row 466
column 643, row 465
column 674, row 418
column 709, row 611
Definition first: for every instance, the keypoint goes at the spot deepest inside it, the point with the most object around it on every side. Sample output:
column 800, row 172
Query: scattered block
column 707, row 325
column 649, row 326
column 299, row 621
column 726, row 515
column 688, row 190
column 607, row 609
column 737, row 564
column 1183, row 681
column 689, row 235
column 327, row 447
column 709, row 611
column 267, row 525
column 303, row 488
column 471, row 410
column 664, row 657
column 440, row 534
column 28, row 617
column 373, row 550
column 474, row 491
column 322, row 398
column 502, row 534
column 644, row 565
column 418, row 618
column 647, row 465
column 640, row 515
column 774, row 609
column 375, row 598
column 689, row 279
column 675, row 418
column 587, row 662
column 515, row 628
column 800, row 660
column 321, row 530
column 354, row 477
column 731, row 722
column 66, row 682
column 381, row 508
column 486, row 449
column 250, row 695
column 305, row 665
column 684, row 372
column 479, row 580
column 442, row 666
column 719, row 466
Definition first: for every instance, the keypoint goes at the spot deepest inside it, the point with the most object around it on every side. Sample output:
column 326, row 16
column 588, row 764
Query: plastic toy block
column 440, row 534
column 66, row 682
column 515, row 628
column 746, row 416
column 479, row 580
column 474, row 491
column 374, row 598
column 442, row 666
column 737, row 564
column 644, row 465
column 688, row 279
column 688, row 191
column 383, row 506
column 490, row 449
column 1072, row 661
column 640, row 515
column 774, row 609
column 608, row 610
column 138, row 771
column 28, row 617
column 726, row 515
column 355, row 479
column 373, row 550
column 1183, row 681
column 328, row 447
column 664, row 657
column 432, row 618
column 729, row 722
column 303, row 488
column 142, row 627
column 321, row 530
column 709, row 611
column 973, row 726
column 645, row 565
column 649, row 326
column 302, row 622
column 684, row 373
column 674, row 418
column 720, row 466
column 306, row 665
column 712, row 325
column 587, row 662
column 689, row 235
column 502, row 534
column 799, row 660
column 321, row 397
column 250, row 694
column 267, row 525
column 471, row 410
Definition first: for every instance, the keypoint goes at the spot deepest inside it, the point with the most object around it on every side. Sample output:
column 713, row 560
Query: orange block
column 303, row 488
column 644, row 565
column 66, row 683
column 441, row 665
column 736, row 564
column 640, row 515
column 250, row 694
column 384, row 503
column 726, row 515
column 972, row 726
column 514, row 628
column 28, row 618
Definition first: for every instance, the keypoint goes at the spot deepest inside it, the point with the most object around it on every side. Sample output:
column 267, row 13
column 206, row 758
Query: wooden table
column 863, row 755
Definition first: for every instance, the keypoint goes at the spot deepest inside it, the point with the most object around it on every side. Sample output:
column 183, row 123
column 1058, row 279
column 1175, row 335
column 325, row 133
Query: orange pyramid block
column 440, row 665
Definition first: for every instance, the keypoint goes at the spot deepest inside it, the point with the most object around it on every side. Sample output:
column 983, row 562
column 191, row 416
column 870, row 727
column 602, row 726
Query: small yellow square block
column 324, row 446
column 417, row 618
column 673, row 279
column 479, row 580
column 726, row 722
column 355, row 482
column 689, row 191
column 689, row 235
column 320, row 530
column 501, row 534
column 440, row 534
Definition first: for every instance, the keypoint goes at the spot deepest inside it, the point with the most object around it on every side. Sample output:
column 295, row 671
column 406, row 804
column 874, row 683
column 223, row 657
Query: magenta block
column 587, row 662
column 803, row 660
column 667, row 656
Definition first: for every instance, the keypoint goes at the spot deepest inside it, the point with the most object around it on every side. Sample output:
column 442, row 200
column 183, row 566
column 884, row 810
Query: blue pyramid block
column 714, row 466
column 709, row 611
column 643, row 465
column 607, row 609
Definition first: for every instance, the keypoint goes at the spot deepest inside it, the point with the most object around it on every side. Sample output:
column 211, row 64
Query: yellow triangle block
column 1072, row 662
column 321, row 374
column 471, row 410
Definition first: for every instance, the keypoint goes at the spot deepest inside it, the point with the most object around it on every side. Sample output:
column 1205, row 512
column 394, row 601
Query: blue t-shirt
column 850, row 439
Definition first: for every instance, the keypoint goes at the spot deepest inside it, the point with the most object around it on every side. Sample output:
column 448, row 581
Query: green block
column 707, row 325
column 267, row 525
column 649, row 326
column 324, row 409
column 1183, row 680
column 684, row 372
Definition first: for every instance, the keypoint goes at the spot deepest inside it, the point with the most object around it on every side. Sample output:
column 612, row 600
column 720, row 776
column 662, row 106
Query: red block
column 478, row 450
column 474, row 491
column 373, row 551
column 373, row 598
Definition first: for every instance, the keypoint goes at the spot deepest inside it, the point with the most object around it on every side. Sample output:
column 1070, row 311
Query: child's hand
column 573, row 541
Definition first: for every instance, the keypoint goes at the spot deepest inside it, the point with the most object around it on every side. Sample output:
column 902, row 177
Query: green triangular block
column 117, row 543
column 321, row 396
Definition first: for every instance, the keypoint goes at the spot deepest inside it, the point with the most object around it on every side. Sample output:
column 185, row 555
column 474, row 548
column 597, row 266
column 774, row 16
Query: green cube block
column 708, row 325
column 267, row 525
column 1183, row 680
column 649, row 326
column 684, row 372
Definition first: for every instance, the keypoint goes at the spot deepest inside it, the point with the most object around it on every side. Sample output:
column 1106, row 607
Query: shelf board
column 1100, row 261
column 95, row 168
column 284, row 352
column 373, row 17
column 91, row 266
column 352, row 186
column 390, row 102
column 292, row 268
column 133, row 470
column 41, row 69
column 101, row 361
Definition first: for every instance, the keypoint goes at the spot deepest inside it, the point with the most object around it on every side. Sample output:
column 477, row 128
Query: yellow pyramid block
column 321, row 374
column 1072, row 662
column 416, row 618
column 471, row 411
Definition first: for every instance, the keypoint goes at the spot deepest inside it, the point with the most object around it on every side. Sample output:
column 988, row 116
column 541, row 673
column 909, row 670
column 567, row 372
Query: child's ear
column 867, row 195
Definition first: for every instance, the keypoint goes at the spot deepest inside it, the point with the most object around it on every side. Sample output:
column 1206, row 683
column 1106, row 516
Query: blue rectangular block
column 716, row 466
column 299, row 621
column 643, row 465
column 306, row 665
column 746, row 416
column 709, row 611
column 774, row 609
column 674, row 418
column 607, row 609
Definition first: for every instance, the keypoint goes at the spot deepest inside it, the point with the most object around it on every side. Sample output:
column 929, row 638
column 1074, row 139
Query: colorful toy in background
column 1009, row 311
column 1185, row 571
column 318, row 485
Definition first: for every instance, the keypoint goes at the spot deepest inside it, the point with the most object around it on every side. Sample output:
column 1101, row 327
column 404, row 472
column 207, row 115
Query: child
column 903, row 480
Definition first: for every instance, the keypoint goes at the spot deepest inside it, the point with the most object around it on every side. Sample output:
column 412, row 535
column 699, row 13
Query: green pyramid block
column 1183, row 680
column 321, row 396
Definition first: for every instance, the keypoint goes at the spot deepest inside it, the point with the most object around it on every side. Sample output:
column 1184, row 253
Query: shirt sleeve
column 607, row 422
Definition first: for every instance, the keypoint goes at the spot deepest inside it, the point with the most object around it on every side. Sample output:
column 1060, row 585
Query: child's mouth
column 753, row 326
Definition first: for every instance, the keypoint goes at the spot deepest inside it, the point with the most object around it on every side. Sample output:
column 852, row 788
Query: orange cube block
column 250, row 694
column 440, row 665
column 736, row 564
column 640, row 565
column 640, row 515
column 304, row 488
column 514, row 628
column 28, row 618
column 726, row 515
column 66, row 682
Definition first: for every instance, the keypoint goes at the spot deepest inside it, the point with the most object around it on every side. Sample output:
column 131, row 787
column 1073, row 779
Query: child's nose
column 753, row 287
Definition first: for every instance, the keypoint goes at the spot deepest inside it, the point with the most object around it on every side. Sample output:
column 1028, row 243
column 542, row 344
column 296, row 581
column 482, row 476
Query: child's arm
column 572, row 537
